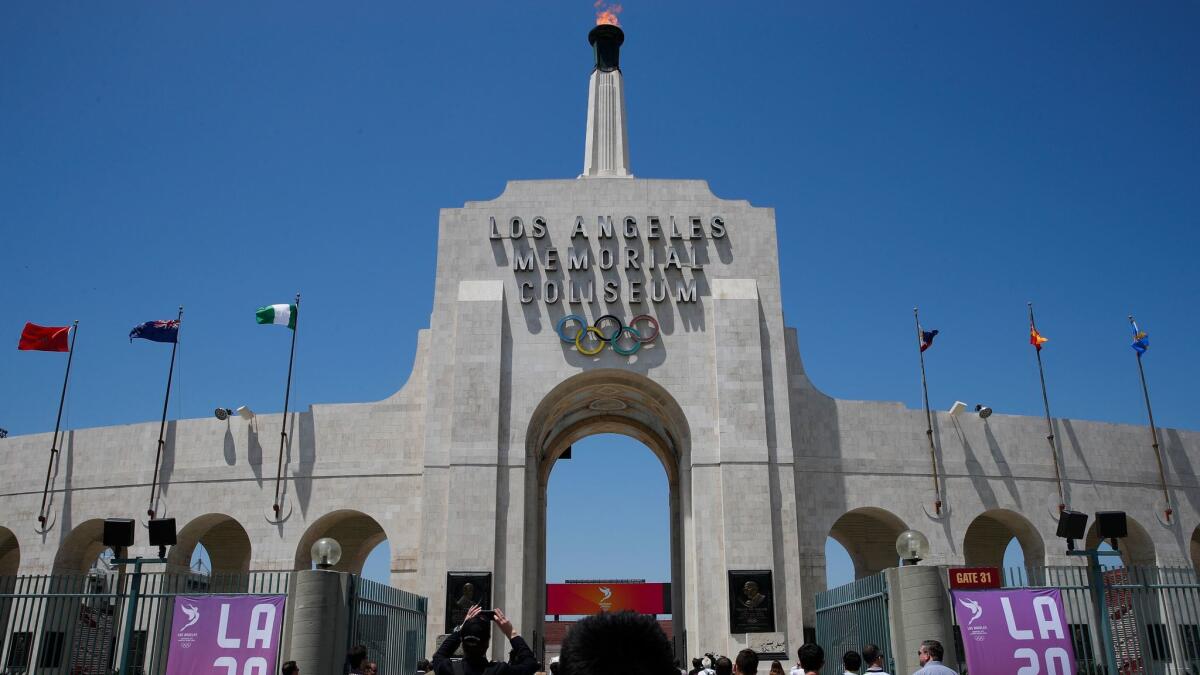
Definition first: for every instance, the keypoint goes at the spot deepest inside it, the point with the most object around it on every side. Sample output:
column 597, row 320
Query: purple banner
column 225, row 634
column 1019, row 631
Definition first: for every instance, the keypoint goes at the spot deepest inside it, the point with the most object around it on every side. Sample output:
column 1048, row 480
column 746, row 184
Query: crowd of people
column 621, row 643
column 810, row 659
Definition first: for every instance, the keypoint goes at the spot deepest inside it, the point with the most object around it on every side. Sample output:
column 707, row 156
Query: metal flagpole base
column 161, row 510
column 285, row 510
column 1161, row 509
column 46, row 527
column 933, row 513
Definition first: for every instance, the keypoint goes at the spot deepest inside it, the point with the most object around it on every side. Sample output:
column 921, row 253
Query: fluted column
column 606, row 151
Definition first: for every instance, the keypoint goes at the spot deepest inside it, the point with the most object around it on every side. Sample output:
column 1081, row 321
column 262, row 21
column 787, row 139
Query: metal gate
column 73, row 624
column 390, row 622
column 851, row 616
column 1153, row 613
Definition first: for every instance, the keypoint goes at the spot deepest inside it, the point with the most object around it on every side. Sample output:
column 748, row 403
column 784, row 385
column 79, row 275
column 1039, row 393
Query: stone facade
column 452, row 469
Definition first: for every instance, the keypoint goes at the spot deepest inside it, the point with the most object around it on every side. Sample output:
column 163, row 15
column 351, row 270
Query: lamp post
column 118, row 532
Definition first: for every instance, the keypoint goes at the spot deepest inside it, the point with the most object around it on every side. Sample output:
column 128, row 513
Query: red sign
column 975, row 577
column 596, row 598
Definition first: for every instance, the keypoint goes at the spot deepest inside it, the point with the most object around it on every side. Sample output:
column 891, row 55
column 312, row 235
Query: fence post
column 318, row 625
column 919, row 609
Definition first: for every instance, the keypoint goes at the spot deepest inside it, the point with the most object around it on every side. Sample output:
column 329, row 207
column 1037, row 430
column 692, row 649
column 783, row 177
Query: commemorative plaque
column 751, row 602
column 464, row 589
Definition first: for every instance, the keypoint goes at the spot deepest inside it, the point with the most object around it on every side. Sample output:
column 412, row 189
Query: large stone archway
column 869, row 536
column 618, row 402
column 988, row 536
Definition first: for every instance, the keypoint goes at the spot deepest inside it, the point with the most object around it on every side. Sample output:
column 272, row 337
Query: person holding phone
column 474, row 634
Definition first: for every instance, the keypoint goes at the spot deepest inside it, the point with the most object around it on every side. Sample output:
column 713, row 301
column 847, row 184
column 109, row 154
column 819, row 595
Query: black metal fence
column 390, row 622
column 74, row 624
column 851, row 616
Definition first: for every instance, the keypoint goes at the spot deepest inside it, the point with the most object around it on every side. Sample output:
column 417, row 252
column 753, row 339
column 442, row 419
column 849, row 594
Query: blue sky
column 964, row 158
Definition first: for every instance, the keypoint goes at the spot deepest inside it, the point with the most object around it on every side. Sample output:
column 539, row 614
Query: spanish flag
column 1035, row 338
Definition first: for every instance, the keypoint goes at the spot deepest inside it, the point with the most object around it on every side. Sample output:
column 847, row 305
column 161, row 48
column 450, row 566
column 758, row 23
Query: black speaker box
column 118, row 533
column 162, row 532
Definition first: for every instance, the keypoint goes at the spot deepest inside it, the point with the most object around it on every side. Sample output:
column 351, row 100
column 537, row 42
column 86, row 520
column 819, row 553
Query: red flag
column 1036, row 339
column 45, row 338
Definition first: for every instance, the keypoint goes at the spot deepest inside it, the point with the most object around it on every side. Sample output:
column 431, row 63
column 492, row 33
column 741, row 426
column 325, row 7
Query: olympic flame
column 607, row 13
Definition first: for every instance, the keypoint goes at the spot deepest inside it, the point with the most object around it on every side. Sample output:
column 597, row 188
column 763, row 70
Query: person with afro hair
column 620, row 643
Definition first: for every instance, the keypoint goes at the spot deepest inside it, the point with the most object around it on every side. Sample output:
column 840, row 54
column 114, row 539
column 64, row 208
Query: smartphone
column 487, row 615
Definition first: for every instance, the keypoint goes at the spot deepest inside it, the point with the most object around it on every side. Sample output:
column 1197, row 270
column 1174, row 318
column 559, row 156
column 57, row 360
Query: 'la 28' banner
column 1020, row 631
column 225, row 635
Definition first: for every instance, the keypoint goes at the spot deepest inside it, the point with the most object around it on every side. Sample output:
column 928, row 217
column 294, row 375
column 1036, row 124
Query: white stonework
column 606, row 153
column 452, row 469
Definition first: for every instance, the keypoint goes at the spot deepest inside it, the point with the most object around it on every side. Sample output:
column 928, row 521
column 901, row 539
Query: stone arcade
column 762, row 466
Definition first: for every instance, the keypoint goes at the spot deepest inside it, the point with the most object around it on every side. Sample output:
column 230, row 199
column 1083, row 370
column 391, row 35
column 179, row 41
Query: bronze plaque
column 464, row 589
column 751, row 602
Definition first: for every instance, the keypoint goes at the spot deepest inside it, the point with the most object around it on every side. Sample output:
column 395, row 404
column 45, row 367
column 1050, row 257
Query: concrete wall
column 452, row 468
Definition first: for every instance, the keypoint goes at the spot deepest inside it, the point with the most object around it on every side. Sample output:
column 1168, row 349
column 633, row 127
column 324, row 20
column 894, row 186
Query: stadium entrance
column 607, row 402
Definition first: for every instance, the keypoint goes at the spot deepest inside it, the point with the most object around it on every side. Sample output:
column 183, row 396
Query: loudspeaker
column 118, row 533
column 1072, row 525
column 1111, row 525
column 162, row 531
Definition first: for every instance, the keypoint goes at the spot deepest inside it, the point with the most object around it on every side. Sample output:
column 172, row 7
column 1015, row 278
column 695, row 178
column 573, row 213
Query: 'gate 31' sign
column 225, row 635
column 1021, row 631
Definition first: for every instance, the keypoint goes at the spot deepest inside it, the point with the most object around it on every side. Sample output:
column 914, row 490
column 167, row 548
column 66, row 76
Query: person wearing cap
column 474, row 634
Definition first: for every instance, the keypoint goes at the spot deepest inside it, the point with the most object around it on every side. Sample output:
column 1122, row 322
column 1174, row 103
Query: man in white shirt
column 930, row 656
column 874, row 659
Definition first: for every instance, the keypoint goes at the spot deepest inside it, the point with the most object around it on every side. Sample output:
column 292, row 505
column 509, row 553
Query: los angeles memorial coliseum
column 516, row 366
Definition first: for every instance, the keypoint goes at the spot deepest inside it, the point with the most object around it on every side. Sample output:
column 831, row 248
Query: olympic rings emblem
column 590, row 340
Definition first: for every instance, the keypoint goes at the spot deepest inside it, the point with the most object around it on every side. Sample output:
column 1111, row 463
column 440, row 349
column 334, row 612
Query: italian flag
column 280, row 315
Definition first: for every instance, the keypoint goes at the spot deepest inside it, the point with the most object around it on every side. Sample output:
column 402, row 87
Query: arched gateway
column 609, row 401
column 606, row 303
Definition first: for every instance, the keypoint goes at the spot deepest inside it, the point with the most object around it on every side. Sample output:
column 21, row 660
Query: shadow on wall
column 302, row 476
column 816, row 440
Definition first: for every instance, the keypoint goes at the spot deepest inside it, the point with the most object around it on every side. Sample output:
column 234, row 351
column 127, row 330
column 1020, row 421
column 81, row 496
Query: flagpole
column 286, row 396
column 937, row 492
column 57, row 421
column 1062, row 504
column 1162, row 477
column 163, row 424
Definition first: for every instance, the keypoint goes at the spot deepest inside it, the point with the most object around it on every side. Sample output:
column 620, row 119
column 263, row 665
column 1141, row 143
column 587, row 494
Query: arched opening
column 868, row 537
column 839, row 566
column 1003, row 538
column 378, row 565
column 1136, row 549
column 356, row 532
column 590, row 535
column 80, row 548
column 608, row 402
column 1195, row 549
column 222, row 540
column 10, row 553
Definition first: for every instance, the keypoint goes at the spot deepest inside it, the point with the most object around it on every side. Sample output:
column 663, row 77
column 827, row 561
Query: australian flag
column 156, row 331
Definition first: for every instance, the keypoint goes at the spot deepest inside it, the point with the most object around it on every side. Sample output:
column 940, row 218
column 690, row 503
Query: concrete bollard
column 919, row 609
column 318, row 621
